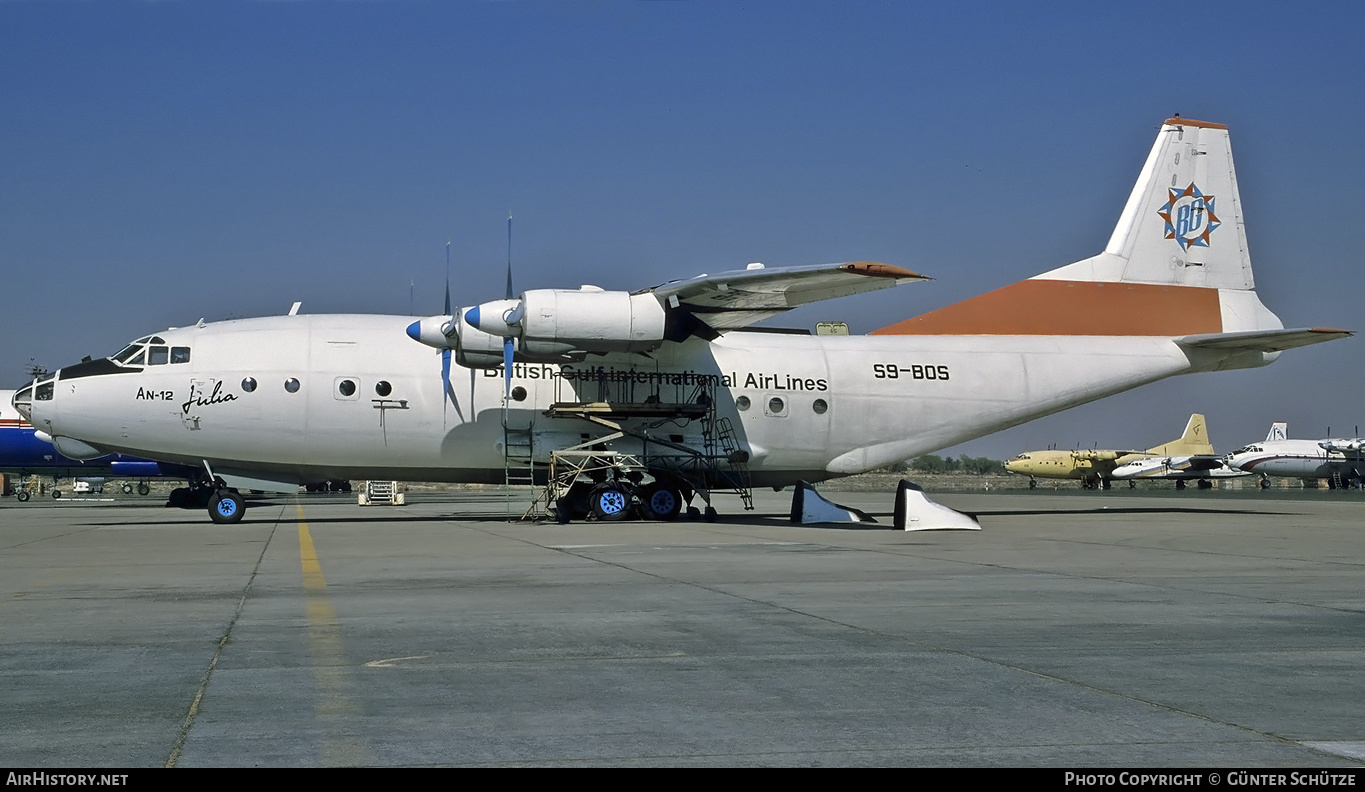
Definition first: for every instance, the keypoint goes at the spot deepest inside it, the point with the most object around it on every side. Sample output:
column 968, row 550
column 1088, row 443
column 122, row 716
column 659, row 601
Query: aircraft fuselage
column 305, row 398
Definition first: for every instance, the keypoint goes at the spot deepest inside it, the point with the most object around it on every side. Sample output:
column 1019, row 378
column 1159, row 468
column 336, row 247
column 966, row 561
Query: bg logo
column 1190, row 217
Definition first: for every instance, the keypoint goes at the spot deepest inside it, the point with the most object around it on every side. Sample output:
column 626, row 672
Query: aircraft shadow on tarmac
column 1125, row 510
column 192, row 518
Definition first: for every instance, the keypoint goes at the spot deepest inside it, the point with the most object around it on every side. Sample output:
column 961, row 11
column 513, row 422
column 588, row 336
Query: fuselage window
column 249, row 384
column 180, row 354
column 820, row 406
column 776, row 406
column 742, row 403
column 383, row 388
column 158, row 355
column 518, row 394
column 346, row 387
column 291, row 385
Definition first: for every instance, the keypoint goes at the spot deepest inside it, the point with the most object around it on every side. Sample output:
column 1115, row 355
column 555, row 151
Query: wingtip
column 877, row 269
column 1190, row 122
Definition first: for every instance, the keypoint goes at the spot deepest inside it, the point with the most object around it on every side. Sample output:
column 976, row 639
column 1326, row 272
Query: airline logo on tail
column 1189, row 217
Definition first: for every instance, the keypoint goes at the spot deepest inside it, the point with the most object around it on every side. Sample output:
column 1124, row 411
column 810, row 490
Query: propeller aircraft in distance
column 1339, row 460
column 675, row 378
column 1190, row 456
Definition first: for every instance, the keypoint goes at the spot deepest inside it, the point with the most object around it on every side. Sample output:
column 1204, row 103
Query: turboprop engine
column 473, row 347
column 548, row 326
column 1343, row 446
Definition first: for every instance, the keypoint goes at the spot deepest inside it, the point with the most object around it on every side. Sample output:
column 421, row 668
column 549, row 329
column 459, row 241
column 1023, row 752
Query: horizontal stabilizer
column 1263, row 340
column 809, row 506
column 915, row 512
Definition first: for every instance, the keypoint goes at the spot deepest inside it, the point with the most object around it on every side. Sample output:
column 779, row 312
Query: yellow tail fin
column 1194, row 441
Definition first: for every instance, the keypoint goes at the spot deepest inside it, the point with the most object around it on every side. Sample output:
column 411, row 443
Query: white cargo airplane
column 672, row 377
column 1339, row 460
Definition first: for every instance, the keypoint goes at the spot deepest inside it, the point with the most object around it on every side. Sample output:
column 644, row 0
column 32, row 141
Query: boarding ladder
column 735, row 457
column 518, row 463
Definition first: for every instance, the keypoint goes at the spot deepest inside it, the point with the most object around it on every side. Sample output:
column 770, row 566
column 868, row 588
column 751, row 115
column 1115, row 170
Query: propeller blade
column 507, row 353
column 448, row 392
column 509, row 255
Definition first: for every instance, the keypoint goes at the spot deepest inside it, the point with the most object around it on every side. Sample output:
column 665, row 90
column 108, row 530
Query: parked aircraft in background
column 1095, row 468
column 1182, row 468
column 668, row 388
column 23, row 454
column 1339, row 460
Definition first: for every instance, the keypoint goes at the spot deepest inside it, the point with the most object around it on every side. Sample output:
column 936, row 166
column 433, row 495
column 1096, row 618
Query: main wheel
column 127, row 488
column 661, row 501
column 56, row 494
column 226, row 506
column 1265, row 483
column 22, row 495
column 610, row 502
column 143, row 488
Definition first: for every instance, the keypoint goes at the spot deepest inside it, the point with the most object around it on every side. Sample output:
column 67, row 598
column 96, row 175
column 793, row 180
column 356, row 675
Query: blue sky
column 166, row 161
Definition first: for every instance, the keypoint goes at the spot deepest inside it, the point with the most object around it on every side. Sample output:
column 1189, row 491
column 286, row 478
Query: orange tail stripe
column 1053, row 307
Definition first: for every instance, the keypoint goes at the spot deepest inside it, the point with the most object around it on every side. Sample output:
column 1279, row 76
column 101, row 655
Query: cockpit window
column 151, row 351
column 127, row 353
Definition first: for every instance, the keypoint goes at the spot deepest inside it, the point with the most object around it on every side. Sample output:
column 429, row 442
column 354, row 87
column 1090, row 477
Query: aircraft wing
column 742, row 297
column 1264, row 340
column 1102, row 455
column 1196, row 462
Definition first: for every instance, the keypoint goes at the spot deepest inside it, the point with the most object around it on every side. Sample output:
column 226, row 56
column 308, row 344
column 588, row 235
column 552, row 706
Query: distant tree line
column 933, row 463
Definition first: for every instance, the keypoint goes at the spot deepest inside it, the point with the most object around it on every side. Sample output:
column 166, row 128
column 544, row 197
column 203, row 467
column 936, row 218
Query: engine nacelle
column 476, row 348
column 561, row 321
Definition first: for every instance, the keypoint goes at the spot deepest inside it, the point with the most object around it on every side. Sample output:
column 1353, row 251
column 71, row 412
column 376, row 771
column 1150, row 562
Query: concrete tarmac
column 1075, row 630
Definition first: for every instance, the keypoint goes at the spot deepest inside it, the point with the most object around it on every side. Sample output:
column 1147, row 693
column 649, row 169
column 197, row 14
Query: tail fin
column 1182, row 225
column 1194, row 441
column 1177, row 263
column 1278, row 431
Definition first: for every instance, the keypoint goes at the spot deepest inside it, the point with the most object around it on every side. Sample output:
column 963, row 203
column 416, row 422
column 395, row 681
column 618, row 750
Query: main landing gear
column 225, row 505
column 618, row 499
